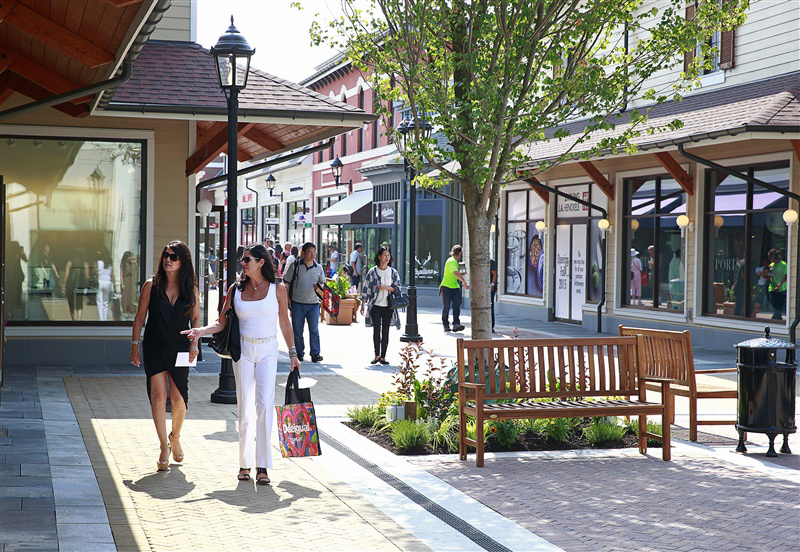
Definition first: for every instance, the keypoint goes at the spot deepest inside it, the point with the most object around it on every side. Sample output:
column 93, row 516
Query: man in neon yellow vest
column 450, row 290
column 777, row 283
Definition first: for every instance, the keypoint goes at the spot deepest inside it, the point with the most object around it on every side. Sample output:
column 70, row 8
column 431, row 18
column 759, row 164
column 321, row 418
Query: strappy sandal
column 243, row 476
column 259, row 479
column 163, row 465
column 177, row 456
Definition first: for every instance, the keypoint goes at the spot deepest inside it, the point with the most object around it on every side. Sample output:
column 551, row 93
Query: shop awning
column 354, row 209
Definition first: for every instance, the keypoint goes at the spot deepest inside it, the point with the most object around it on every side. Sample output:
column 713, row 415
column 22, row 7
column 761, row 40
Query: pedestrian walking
column 636, row 278
column 261, row 306
column 333, row 260
column 356, row 266
column 169, row 302
column 450, row 290
column 305, row 278
column 777, row 283
column 381, row 280
column 493, row 278
column 105, row 283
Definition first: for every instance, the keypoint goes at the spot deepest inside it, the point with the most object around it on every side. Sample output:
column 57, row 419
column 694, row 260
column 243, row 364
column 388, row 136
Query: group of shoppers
column 169, row 311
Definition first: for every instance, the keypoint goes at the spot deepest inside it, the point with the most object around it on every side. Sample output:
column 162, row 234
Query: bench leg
column 642, row 437
column 666, row 454
column 479, row 439
column 462, row 434
column 692, row 418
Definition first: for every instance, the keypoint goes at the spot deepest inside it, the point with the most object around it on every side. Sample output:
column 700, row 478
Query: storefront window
column 328, row 234
column 74, row 229
column 524, row 271
column 299, row 224
column 746, row 240
column 270, row 218
column 653, row 263
column 248, row 235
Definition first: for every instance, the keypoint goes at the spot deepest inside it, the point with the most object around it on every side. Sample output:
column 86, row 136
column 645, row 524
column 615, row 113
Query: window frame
column 146, row 213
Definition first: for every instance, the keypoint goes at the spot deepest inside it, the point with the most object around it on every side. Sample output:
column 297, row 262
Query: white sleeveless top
column 258, row 318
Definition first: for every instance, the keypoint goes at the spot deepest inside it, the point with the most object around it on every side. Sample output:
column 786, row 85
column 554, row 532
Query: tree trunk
column 479, row 227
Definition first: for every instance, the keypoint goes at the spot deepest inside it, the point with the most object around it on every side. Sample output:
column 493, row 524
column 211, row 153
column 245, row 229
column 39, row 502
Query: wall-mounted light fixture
column 634, row 225
column 204, row 207
column 605, row 226
column 37, row 143
column 541, row 227
column 719, row 222
column 271, row 181
column 790, row 217
column 62, row 144
column 685, row 224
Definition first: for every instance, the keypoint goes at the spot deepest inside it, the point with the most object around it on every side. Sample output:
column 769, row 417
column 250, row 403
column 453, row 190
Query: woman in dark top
column 169, row 302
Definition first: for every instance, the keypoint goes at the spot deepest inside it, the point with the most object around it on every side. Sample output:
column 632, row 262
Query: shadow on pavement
column 162, row 485
column 230, row 435
column 252, row 499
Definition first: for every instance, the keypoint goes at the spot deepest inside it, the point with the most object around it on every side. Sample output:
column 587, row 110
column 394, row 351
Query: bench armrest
column 717, row 371
column 658, row 379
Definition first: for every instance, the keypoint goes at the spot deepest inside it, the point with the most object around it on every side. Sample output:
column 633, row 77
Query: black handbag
column 227, row 342
column 294, row 394
column 398, row 299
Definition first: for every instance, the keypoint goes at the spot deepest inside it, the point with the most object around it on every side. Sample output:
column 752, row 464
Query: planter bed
column 524, row 442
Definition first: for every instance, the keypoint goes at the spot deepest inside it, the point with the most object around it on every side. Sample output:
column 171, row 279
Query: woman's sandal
column 163, row 465
column 244, row 474
column 177, row 456
column 383, row 361
column 261, row 476
column 375, row 360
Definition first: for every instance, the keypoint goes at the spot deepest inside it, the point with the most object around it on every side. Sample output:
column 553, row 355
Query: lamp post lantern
column 410, row 131
column 336, row 169
column 232, row 59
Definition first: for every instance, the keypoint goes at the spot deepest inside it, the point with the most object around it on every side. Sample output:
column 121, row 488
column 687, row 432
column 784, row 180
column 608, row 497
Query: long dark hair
column 377, row 259
column 258, row 252
column 187, row 283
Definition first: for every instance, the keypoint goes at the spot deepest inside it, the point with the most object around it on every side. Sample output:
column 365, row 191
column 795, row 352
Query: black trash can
column 766, row 390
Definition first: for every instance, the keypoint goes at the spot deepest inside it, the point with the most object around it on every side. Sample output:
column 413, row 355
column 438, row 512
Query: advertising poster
column 535, row 260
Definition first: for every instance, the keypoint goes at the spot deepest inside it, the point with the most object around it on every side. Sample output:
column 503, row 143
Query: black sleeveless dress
column 163, row 340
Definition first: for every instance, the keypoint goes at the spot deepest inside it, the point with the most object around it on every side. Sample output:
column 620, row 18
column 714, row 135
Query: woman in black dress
column 169, row 302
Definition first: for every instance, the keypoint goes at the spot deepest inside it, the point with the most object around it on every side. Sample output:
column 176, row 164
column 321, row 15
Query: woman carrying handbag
column 261, row 306
column 381, row 281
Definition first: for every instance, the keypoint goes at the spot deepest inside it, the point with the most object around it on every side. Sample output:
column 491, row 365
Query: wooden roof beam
column 6, row 7
column 675, row 171
column 53, row 34
column 6, row 59
column 123, row 3
column 597, row 177
column 36, row 92
column 215, row 145
column 264, row 140
column 44, row 77
column 544, row 194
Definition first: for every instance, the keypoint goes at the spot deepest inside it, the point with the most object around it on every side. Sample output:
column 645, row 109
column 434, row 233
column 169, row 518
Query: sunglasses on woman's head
column 171, row 256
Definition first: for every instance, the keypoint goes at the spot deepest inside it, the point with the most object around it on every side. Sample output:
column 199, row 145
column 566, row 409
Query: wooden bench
column 586, row 377
column 668, row 354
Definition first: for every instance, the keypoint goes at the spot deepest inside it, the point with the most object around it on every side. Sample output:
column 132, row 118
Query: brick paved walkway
column 200, row 505
column 629, row 502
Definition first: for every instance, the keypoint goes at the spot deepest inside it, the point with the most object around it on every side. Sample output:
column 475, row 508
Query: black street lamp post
column 232, row 58
column 411, row 130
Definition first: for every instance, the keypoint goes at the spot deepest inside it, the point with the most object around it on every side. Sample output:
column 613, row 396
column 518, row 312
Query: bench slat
column 612, row 368
column 502, row 366
column 481, row 368
column 591, row 368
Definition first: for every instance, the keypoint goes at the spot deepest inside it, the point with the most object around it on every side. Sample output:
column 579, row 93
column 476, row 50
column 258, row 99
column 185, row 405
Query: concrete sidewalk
column 78, row 451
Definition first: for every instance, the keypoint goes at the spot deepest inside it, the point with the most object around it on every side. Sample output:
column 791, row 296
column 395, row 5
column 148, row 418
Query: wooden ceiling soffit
column 598, row 178
column 36, row 92
column 123, row 3
column 42, row 76
column 542, row 193
column 6, row 59
column 675, row 171
column 264, row 140
column 53, row 34
column 212, row 147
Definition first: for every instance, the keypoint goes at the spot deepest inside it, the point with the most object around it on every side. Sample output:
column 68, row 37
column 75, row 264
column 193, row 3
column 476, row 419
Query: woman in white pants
column 261, row 306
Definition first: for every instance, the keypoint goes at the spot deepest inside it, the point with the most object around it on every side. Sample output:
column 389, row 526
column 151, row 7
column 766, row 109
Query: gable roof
column 180, row 77
column 771, row 105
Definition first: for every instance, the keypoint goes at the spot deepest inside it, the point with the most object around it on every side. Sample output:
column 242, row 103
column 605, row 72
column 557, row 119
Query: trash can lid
column 767, row 342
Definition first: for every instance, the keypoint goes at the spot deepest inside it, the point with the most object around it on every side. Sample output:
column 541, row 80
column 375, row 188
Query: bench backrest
column 664, row 353
column 533, row 368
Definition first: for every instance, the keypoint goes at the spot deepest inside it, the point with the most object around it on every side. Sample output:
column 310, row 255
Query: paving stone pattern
column 199, row 505
column 634, row 503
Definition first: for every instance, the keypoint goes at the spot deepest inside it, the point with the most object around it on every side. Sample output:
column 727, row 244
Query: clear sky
column 277, row 31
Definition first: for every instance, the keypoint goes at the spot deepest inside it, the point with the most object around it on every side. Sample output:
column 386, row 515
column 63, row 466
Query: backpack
column 294, row 277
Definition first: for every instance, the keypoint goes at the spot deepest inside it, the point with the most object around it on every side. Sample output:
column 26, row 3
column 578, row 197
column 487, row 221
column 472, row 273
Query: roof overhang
column 354, row 209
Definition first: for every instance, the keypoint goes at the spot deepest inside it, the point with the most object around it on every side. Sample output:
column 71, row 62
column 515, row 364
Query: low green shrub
column 603, row 430
column 653, row 427
column 560, row 429
column 368, row 415
column 532, row 427
column 408, row 435
column 444, row 433
column 504, row 433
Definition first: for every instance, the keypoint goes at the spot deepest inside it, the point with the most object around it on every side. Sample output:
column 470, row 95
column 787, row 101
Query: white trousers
column 255, row 394
column 103, row 296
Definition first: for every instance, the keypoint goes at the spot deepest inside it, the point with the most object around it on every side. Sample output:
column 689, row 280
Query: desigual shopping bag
column 297, row 423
